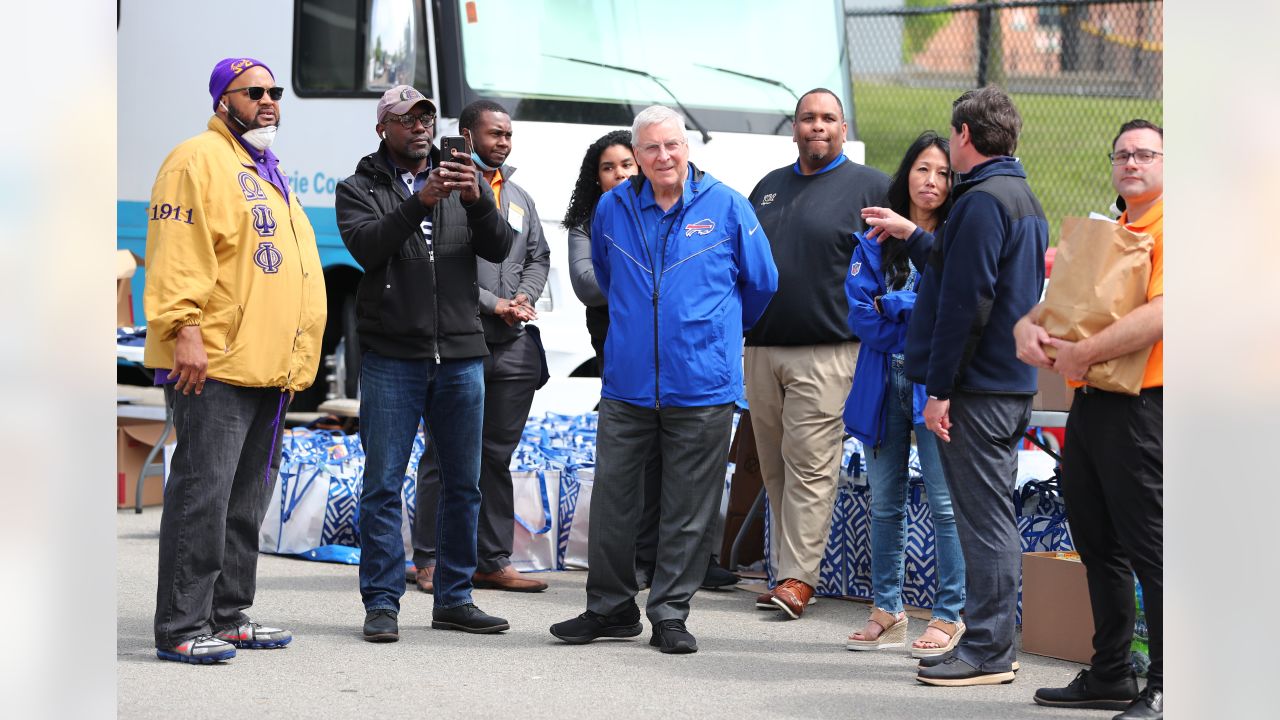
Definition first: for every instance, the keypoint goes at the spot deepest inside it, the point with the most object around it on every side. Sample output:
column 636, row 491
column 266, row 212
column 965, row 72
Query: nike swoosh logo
column 753, row 230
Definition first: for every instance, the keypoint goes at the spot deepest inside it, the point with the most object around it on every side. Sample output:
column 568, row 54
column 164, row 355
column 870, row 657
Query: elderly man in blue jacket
column 985, row 272
column 686, row 269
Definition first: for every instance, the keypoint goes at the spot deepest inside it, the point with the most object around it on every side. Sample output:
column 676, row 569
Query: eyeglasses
column 651, row 149
column 408, row 121
column 255, row 93
column 1140, row 157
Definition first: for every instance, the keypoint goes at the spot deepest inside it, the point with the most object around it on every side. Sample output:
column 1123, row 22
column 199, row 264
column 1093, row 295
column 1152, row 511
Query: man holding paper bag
column 1112, row 460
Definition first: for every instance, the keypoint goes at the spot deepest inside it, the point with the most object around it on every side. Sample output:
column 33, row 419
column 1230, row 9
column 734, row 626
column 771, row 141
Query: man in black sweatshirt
column 800, row 355
column 416, row 223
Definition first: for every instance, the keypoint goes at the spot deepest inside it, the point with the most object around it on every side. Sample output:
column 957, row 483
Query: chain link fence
column 1076, row 70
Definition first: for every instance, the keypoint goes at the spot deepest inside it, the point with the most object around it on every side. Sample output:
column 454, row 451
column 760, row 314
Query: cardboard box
column 1052, row 392
column 134, row 440
column 1057, row 619
column 126, row 265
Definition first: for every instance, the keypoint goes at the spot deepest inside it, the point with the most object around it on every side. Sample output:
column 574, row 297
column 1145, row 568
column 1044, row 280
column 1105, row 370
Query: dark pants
column 981, row 467
column 1113, row 483
column 510, row 379
column 694, row 444
column 226, row 460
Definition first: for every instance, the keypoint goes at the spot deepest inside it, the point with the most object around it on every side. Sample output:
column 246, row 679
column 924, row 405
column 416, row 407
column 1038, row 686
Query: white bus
column 568, row 71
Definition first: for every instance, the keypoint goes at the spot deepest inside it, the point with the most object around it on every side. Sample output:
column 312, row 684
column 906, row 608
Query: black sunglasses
column 255, row 93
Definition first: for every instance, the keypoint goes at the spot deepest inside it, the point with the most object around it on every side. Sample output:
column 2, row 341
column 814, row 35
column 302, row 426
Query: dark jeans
column 981, row 467
column 694, row 444
column 1113, row 483
column 510, row 379
column 226, row 460
column 394, row 395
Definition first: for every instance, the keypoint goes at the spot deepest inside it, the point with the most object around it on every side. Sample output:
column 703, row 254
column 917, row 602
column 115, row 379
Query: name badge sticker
column 515, row 217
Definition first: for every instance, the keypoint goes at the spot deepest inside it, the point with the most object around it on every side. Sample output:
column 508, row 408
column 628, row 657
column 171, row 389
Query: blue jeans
column 449, row 397
column 888, row 477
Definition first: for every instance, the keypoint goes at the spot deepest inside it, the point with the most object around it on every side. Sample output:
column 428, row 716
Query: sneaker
column 592, row 626
column 792, row 597
column 954, row 672
column 673, row 638
column 251, row 635
column 467, row 618
column 717, row 577
column 932, row 660
column 199, row 650
column 380, row 626
column 1149, row 705
column 1090, row 691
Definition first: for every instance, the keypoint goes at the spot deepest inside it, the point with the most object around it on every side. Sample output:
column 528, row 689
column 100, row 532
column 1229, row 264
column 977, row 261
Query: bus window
column 358, row 49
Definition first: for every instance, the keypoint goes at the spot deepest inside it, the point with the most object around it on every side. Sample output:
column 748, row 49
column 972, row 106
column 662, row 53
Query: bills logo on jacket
column 702, row 227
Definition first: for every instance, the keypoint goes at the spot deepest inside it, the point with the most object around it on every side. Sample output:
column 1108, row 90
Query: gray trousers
column 510, row 380
column 694, row 444
column 224, row 465
column 981, row 467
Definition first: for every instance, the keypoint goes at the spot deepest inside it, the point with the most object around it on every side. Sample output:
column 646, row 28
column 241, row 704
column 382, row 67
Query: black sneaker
column 672, row 637
column 592, row 626
column 1149, row 705
column 1090, row 691
column 954, row 672
column 717, row 577
column 467, row 618
column 932, row 660
column 380, row 626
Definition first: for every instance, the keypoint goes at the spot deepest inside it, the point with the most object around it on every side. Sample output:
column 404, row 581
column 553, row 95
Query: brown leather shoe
column 508, row 578
column 424, row 579
column 764, row 601
column 791, row 596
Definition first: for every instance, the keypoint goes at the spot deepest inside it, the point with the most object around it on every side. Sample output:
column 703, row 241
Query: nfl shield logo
column 855, row 268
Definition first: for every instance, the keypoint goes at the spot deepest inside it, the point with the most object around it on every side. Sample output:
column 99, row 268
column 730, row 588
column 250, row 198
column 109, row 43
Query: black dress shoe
column 1148, row 706
column 954, row 672
column 381, row 626
column 467, row 618
column 673, row 638
column 592, row 626
column 1088, row 690
column 717, row 577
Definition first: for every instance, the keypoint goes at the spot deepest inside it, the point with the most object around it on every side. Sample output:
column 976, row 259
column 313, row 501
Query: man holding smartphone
column 416, row 222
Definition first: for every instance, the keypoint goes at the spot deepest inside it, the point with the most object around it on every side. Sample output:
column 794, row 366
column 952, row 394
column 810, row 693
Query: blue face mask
column 475, row 158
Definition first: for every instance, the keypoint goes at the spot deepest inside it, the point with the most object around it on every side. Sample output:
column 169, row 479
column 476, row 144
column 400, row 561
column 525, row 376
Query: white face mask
column 260, row 138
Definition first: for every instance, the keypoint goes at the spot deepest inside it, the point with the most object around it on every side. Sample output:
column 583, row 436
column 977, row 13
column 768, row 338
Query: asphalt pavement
column 749, row 664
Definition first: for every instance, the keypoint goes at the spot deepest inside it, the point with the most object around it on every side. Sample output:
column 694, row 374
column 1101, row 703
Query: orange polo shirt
column 1152, row 223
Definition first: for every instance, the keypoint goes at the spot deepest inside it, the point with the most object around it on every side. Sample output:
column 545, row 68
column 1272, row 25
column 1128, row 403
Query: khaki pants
column 797, row 396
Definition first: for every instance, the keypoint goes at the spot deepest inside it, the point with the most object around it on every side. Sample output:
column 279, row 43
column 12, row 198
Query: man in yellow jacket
column 235, row 305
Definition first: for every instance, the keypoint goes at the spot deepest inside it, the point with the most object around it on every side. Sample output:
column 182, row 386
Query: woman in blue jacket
column 883, row 406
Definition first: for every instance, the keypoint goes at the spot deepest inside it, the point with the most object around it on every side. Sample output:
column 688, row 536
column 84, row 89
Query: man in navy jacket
column 985, row 272
column 686, row 268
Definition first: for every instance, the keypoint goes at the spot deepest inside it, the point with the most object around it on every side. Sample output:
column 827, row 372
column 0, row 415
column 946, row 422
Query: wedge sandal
column 894, row 633
column 953, row 630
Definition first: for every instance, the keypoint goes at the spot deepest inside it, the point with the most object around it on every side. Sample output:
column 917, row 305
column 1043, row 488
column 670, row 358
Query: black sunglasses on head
column 255, row 93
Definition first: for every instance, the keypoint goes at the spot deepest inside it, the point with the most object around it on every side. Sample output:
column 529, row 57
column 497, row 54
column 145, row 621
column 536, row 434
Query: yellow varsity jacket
column 225, row 251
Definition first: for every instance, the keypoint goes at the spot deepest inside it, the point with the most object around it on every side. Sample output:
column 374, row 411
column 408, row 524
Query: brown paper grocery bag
column 1100, row 274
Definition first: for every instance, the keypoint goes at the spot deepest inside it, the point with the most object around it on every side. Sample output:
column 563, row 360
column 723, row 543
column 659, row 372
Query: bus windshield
column 734, row 69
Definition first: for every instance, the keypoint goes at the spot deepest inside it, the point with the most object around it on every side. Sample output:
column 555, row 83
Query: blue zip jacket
column 678, row 307
column 882, row 335
column 985, row 272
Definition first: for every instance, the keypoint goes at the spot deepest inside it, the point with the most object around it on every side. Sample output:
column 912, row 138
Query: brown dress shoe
column 424, row 579
column 791, row 596
column 764, row 601
column 508, row 578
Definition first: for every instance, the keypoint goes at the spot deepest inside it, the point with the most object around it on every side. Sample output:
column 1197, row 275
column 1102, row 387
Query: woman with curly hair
column 607, row 163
